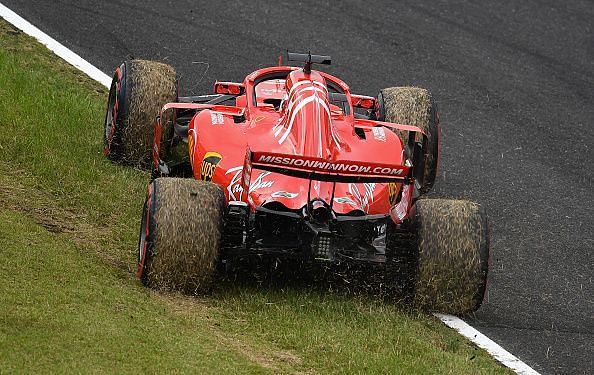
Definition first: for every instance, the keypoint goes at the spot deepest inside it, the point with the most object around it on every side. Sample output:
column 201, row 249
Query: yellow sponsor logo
column 209, row 165
column 393, row 190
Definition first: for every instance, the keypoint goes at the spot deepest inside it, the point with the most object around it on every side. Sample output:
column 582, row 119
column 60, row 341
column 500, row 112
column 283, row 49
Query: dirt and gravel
column 415, row 106
column 186, row 229
column 453, row 255
column 150, row 85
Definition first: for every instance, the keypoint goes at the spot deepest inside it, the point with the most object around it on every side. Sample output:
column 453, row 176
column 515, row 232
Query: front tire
column 139, row 90
column 453, row 255
column 180, row 235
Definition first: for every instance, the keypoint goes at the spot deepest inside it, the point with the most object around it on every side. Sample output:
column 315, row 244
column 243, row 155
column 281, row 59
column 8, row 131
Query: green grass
column 69, row 301
column 63, row 311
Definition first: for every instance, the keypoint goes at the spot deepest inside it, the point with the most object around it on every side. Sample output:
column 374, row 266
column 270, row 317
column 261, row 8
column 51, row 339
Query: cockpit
column 270, row 90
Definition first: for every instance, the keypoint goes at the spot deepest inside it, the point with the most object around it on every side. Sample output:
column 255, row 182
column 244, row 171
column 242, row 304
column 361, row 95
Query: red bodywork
column 307, row 136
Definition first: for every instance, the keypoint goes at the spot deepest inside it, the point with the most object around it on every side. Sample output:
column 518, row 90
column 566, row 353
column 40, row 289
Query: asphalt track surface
column 515, row 84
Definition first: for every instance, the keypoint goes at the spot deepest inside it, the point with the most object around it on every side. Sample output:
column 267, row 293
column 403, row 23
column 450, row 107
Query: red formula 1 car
column 289, row 163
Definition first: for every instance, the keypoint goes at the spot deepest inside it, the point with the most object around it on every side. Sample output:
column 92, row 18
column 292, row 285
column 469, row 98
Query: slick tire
column 414, row 106
column 139, row 90
column 453, row 255
column 180, row 234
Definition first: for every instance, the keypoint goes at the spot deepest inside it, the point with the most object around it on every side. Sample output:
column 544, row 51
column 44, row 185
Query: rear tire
column 180, row 235
column 453, row 255
column 139, row 90
column 414, row 106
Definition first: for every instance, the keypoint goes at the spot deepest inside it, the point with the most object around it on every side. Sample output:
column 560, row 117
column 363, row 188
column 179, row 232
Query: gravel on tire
column 415, row 106
column 152, row 84
column 187, row 230
column 453, row 245
column 143, row 87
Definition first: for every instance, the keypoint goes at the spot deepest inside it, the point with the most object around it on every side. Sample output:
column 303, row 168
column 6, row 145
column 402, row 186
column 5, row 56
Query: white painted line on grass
column 482, row 341
column 56, row 47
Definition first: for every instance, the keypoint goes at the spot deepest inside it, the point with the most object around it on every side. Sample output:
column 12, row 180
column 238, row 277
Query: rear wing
column 323, row 170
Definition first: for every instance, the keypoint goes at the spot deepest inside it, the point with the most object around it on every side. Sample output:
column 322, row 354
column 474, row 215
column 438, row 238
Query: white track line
column 482, row 341
column 56, row 47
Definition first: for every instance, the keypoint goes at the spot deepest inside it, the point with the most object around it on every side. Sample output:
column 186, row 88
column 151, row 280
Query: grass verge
column 70, row 303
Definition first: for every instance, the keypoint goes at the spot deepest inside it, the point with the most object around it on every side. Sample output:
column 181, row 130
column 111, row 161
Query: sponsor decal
column 316, row 186
column 379, row 133
column 284, row 194
column 235, row 190
column 216, row 118
column 382, row 229
column 401, row 208
column 393, row 191
column 191, row 144
column 369, row 188
column 247, row 170
column 260, row 183
column 209, row 165
column 345, row 200
column 325, row 166
column 363, row 199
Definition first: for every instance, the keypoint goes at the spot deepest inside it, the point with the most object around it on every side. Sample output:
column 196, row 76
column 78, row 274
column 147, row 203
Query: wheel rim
column 109, row 120
column 112, row 111
column 143, row 242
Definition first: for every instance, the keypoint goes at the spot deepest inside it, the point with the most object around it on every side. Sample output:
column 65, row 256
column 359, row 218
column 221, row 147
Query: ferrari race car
column 291, row 164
